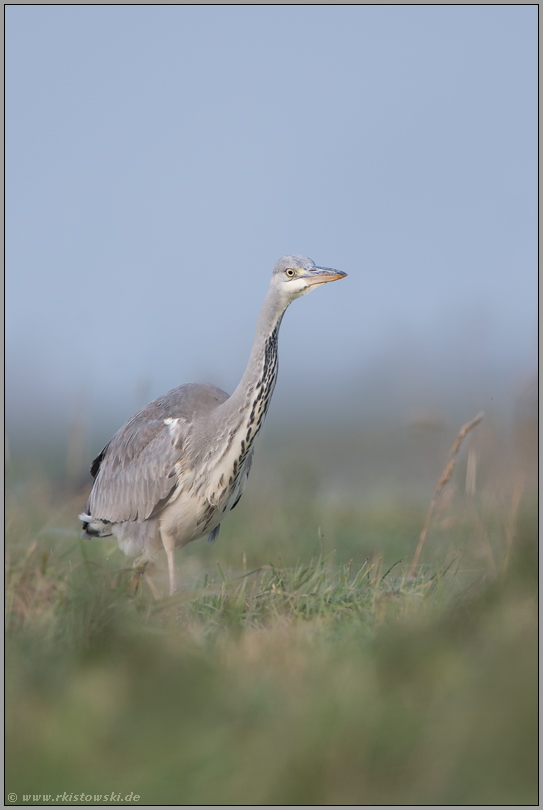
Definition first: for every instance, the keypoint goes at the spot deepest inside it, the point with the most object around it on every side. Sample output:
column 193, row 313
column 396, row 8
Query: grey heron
column 172, row 473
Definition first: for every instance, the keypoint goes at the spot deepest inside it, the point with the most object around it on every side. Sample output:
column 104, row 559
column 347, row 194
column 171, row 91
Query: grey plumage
column 138, row 463
column 181, row 463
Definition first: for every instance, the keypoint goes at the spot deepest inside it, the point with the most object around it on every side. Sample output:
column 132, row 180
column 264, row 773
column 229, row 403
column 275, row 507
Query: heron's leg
column 139, row 565
column 168, row 541
column 152, row 588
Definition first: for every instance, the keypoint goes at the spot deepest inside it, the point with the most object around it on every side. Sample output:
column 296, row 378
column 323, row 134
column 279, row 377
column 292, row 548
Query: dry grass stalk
column 76, row 447
column 442, row 483
column 471, row 473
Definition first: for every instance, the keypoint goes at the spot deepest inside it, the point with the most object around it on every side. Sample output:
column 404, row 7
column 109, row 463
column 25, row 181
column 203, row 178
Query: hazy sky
column 160, row 159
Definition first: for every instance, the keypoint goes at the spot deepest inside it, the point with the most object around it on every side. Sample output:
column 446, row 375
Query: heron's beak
column 322, row 275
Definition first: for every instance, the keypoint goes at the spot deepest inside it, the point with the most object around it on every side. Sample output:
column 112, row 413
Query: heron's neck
column 257, row 384
column 248, row 405
column 233, row 426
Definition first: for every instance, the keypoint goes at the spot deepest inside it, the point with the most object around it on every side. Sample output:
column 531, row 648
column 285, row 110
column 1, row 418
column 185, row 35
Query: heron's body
column 178, row 466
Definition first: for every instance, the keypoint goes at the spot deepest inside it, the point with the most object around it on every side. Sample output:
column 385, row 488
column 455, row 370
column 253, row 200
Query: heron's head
column 297, row 275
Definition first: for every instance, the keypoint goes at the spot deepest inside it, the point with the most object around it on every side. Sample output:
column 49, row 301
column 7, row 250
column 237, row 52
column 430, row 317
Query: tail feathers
column 213, row 534
column 92, row 527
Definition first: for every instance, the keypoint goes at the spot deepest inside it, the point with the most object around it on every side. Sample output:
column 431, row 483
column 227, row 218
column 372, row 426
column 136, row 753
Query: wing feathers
column 137, row 472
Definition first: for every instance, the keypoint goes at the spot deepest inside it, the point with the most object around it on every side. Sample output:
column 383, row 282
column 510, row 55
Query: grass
column 301, row 663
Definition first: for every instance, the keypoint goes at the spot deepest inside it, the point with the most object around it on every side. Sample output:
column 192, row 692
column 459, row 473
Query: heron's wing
column 137, row 472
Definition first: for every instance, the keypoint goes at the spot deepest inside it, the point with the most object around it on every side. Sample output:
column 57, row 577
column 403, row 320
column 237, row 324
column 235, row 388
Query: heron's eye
column 290, row 273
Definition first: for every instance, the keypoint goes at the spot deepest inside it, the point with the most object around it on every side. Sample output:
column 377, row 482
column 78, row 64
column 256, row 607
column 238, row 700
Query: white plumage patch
column 174, row 426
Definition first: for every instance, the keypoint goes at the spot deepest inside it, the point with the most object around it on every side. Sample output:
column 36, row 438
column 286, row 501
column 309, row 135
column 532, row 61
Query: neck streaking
column 249, row 403
column 239, row 419
column 259, row 397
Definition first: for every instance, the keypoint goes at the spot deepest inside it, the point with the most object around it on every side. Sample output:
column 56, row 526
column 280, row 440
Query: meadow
column 305, row 659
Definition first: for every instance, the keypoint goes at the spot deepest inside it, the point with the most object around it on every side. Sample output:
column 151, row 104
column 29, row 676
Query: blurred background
column 160, row 159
